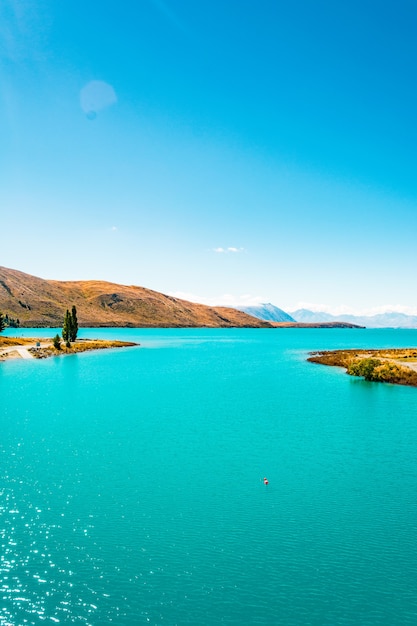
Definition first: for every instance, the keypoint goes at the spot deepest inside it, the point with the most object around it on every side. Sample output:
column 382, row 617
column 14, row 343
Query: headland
column 389, row 365
column 33, row 348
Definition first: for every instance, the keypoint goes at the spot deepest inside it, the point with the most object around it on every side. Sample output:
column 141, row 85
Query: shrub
column 364, row 367
column 57, row 342
column 393, row 373
column 382, row 371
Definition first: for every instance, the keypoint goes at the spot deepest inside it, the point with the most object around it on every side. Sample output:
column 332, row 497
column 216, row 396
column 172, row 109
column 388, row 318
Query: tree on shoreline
column 70, row 326
column 66, row 328
column 2, row 323
column 74, row 324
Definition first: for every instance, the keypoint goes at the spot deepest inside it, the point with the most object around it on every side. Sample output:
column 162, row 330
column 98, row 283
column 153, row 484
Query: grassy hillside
column 42, row 303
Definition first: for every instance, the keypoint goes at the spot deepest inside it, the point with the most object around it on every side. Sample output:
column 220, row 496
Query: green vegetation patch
column 373, row 365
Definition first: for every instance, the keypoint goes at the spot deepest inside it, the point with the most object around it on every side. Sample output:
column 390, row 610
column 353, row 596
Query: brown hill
column 36, row 302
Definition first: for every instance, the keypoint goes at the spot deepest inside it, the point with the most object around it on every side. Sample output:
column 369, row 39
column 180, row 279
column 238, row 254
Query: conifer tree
column 70, row 326
column 2, row 323
column 74, row 324
column 66, row 328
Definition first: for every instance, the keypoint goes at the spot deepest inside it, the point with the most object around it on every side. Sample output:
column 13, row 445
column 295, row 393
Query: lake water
column 132, row 489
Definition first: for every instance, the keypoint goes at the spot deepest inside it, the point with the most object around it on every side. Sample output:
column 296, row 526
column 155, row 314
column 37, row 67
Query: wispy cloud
column 344, row 309
column 230, row 249
column 226, row 299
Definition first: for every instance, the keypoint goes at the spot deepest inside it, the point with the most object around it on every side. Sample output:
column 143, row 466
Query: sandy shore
column 18, row 347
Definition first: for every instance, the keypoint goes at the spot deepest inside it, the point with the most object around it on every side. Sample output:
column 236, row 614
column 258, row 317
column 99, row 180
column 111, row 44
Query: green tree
column 66, row 328
column 57, row 342
column 74, row 324
column 70, row 326
column 2, row 323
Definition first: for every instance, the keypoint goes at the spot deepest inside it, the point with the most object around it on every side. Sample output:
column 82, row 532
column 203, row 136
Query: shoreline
column 397, row 366
column 40, row 348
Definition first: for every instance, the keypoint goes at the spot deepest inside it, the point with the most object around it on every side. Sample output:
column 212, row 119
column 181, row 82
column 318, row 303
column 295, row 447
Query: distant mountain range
column 272, row 313
column 267, row 312
column 382, row 320
column 36, row 302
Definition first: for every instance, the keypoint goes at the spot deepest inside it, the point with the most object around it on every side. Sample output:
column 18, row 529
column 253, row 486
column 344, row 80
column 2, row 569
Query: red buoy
column 266, row 481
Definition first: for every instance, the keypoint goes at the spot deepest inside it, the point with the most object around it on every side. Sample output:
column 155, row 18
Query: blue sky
column 228, row 152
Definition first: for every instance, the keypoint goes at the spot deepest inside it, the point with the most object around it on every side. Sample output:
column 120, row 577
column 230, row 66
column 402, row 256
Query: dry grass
column 6, row 342
column 84, row 345
column 384, row 365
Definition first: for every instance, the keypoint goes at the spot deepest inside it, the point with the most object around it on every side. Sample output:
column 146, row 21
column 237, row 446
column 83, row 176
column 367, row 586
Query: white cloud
column 248, row 299
column 344, row 309
column 231, row 249
column 226, row 299
column 390, row 308
column 241, row 300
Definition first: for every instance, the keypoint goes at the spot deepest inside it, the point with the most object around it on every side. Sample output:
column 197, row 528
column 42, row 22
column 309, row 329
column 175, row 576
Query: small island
column 389, row 365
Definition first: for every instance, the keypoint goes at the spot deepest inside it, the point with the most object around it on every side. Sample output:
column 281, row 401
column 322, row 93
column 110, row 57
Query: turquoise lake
column 131, row 483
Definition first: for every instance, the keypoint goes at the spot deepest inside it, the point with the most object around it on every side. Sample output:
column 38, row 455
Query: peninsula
column 29, row 347
column 389, row 365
